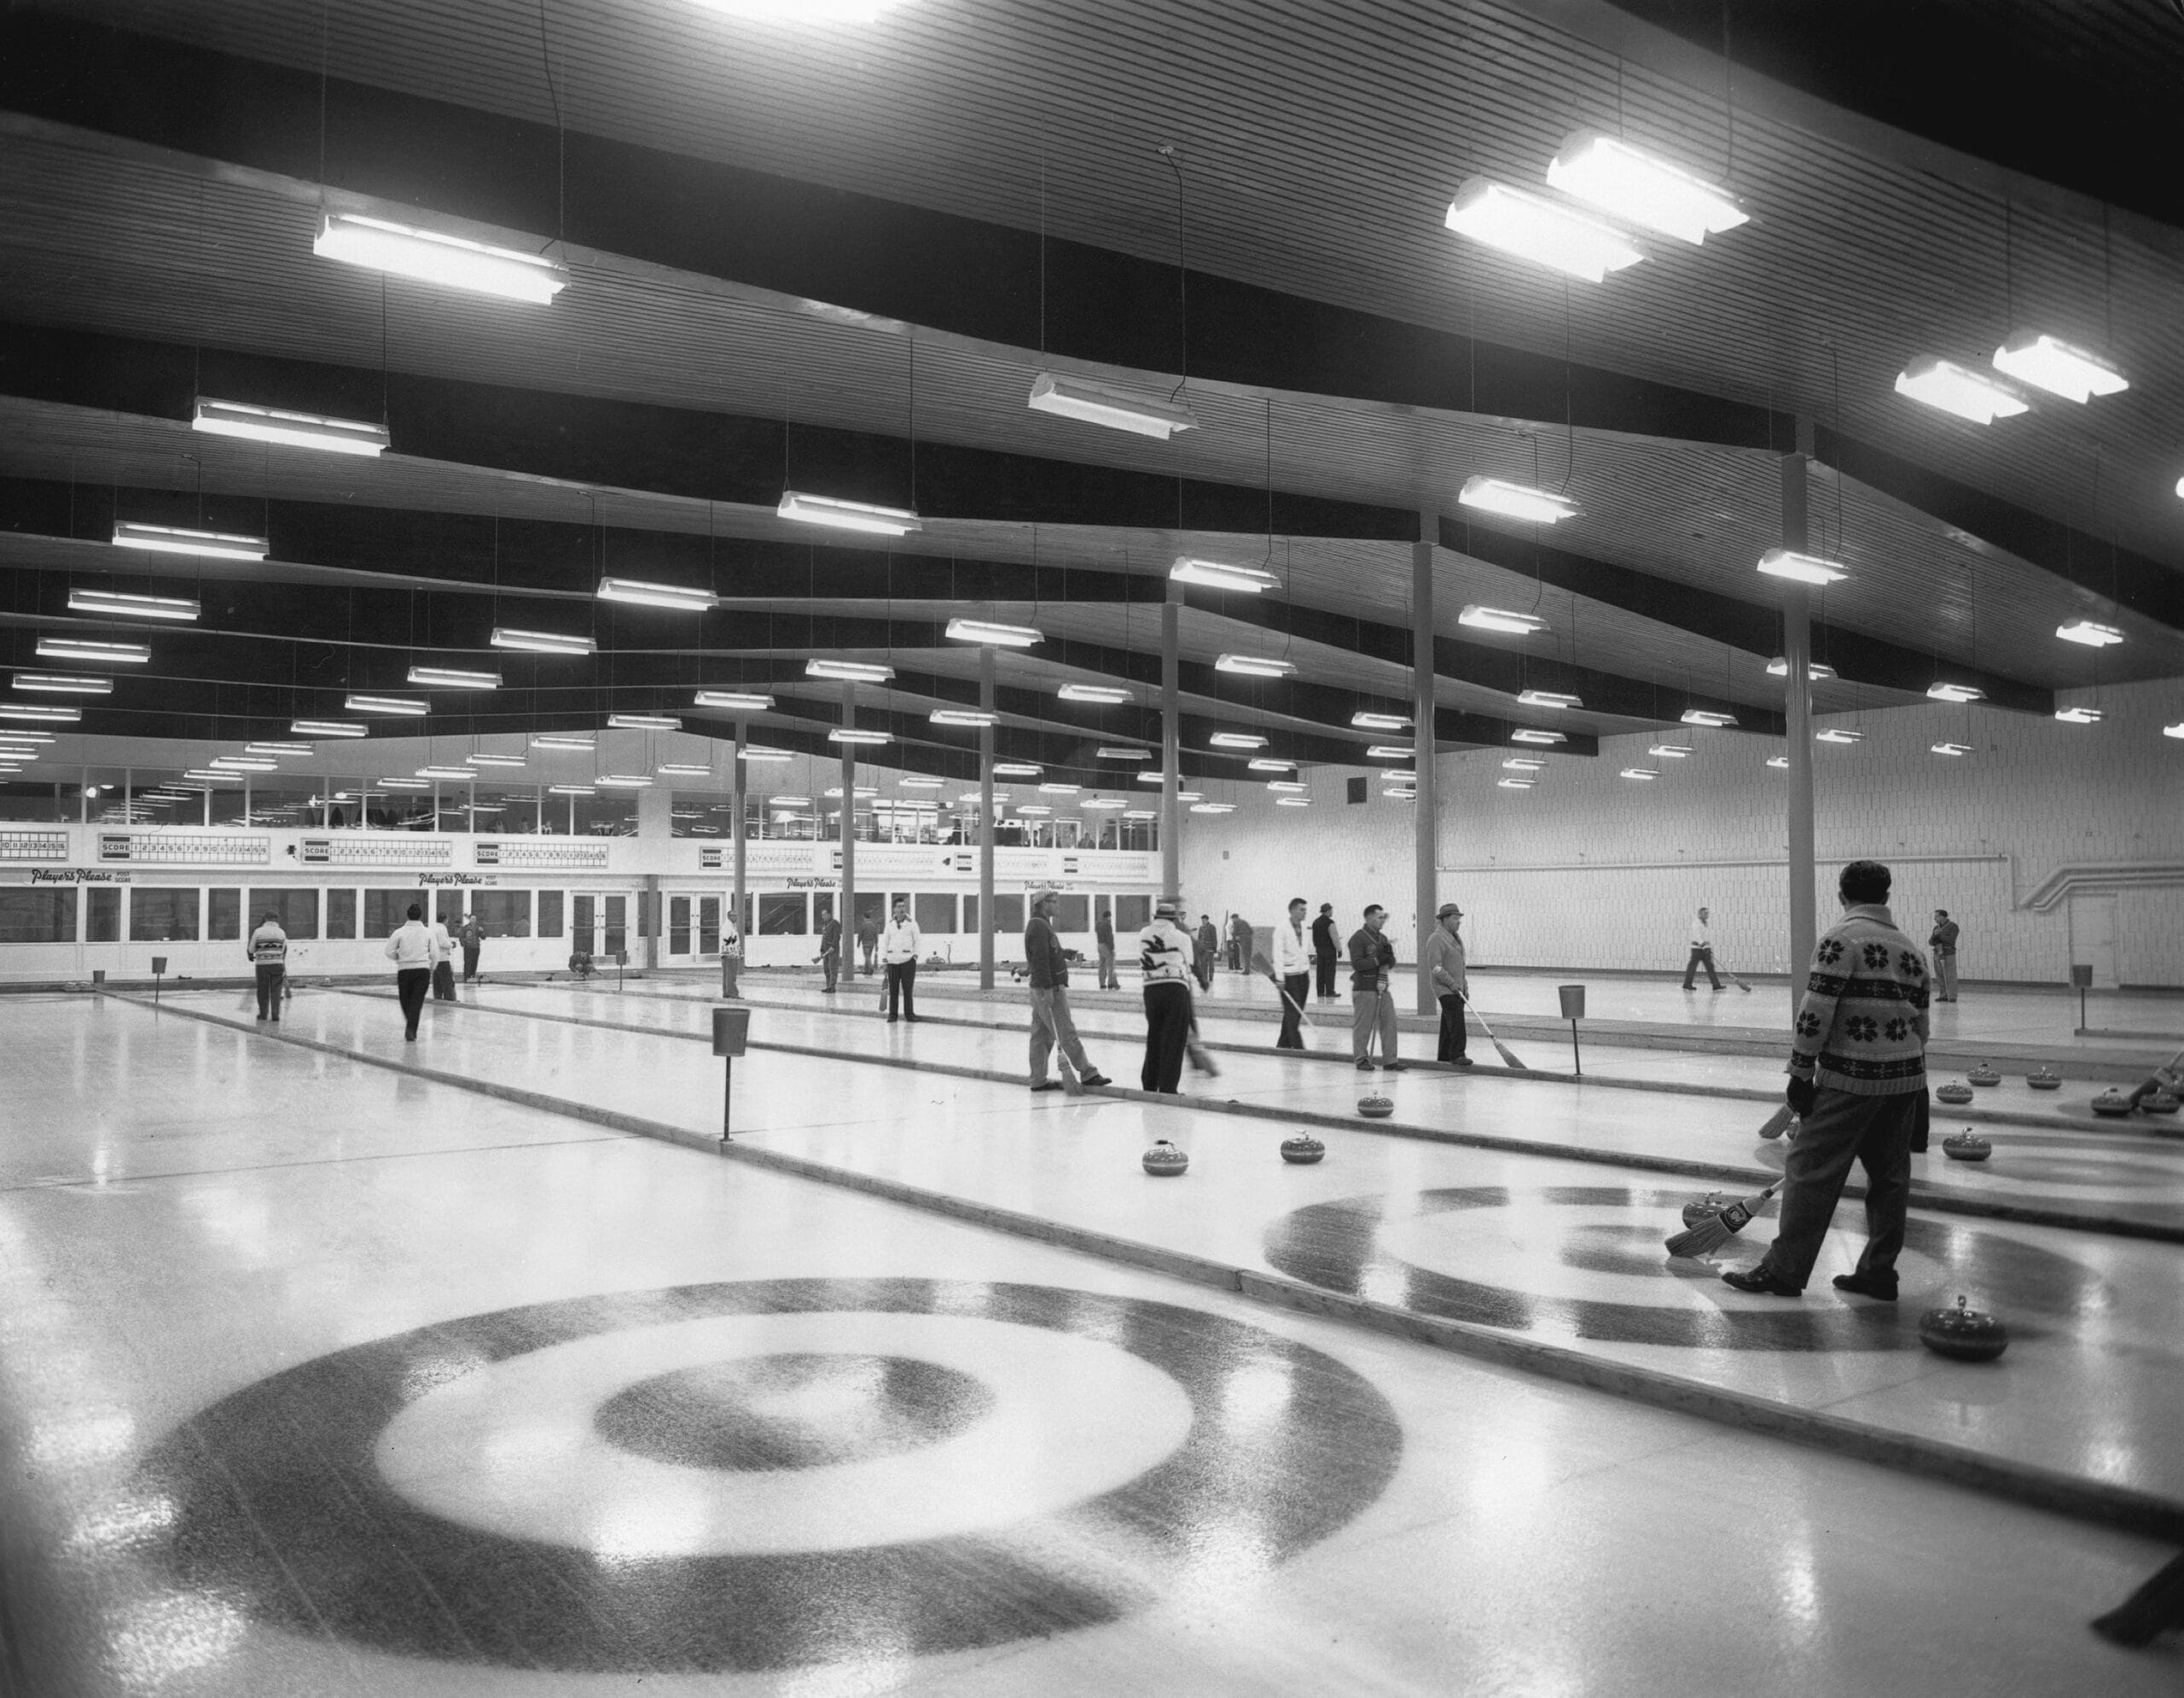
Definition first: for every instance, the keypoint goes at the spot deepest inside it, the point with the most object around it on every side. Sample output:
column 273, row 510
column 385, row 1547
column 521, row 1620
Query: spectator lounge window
column 162, row 914
column 549, row 913
column 38, row 916
column 780, row 913
column 503, row 913
column 340, row 913
column 223, row 916
column 387, row 911
column 296, row 909
column 102, row 923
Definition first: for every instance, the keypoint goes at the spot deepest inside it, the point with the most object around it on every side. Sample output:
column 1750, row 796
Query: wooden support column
column 1172, row 739
column 1797, row 654
column 1424, row 804
column 985, row 820
column 742, row 731
column 845, row 892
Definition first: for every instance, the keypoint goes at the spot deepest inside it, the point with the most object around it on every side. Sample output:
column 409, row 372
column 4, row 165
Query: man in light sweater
column 410, row 949
column 1163, row 957
column 268, row 950
column 898, row 954
column 1292, row 966
column 443, row 962
column 1444, row 971
column 1702, row 953
column 1051, row 1025
column 1858, row 1078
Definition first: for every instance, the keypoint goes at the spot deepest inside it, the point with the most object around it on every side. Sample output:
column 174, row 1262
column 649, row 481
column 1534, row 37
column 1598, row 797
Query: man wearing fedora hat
column 1444, row 971
column 1052, row 1028
column 1163, row 956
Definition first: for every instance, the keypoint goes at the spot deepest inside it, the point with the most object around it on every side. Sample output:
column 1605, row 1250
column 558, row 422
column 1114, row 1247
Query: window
column 678, row 925
column 296, row 910
column 1133, row 913
column 102, row 923
column 549, row 913
column 505, row 913
column 340, row 913
column 38, row 916
column 1355, row 788
column 709, row 925
column 223, row 916
column 780, row 913
column 1009, row 914
column 160, row 915
column 447, row 908
column 584, row 939
column 935, row 911
column 1073, row 913
column 385, row 911
column 617, row 928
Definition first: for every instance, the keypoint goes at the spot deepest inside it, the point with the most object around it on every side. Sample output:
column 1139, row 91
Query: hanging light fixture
column 847, row 515
column 1103, row 403
column 571, row 790
column 675, row 596
column 1218, row 574
column 1105, row 696
column 453, row 774
column 63, row 684
column 1390, row 752
column 1498, row 618
column 564, row 742
column 682, row 769
column 623, row 781
column 1836, row 734
column 291, row 429
column 1670, row 750
column 1780, row 762
column 406, row 706
column 1816, row 672
column 1237, row 740
column 2059, row 367
column 1516, row 501
column 849, row 671
column 542, row 641
column 453, row 678
column 1522, row 762
column 1017, row 769
column 2078, row 716
column 1958, row 693
column 1116, row 751
column 175, row 539
column 763, row 751
column 2085, row 632
column 1287, row 786
column 643, row 722
column 431, row 257
column 1293, row 801
column 1959, row 389
column 1527, row 734
column 1253, row 666
column 1707, row 716
column 123, row 604
column 329, row 727
column 973, row 717
column 1379, row 722
column 1269, row 763
column 736, row 700
column 1644, row 774
column 1513, row 784
column 496, row 760
column 1801, row 568
column 848, row 734
column 276, row 750
column 1547, row 698
column 1951, row 748
column 2175, row 730
column 1534, row 228
column 1058, row 788
column 94, row 649
column 1001, row 635
column 1641, row 188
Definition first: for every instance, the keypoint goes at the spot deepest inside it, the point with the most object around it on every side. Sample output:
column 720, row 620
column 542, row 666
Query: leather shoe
column 1364, row 1064
column 1097, row 1078
column 1047, row 1084
column 1880, row 1287
column 1761, row 1280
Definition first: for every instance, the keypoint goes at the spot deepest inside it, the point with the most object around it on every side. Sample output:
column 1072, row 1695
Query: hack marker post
column 2082, row 980
column 1573, row 1010
column 621, row 960
column 731, row 1032
column 159, row 971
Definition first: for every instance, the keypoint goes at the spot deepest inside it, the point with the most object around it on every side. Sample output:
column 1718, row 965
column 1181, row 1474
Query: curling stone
column 1376, row 1107
column 1956, row 1090
column 2161, row 1103
column 1984, row 1073
column 1963, row 1335
column 2112, row 1103
column 2044, row 1078
column 1968, row 1146
column 1303, row 1150
column 1705, row 1208
column 1163, row 1161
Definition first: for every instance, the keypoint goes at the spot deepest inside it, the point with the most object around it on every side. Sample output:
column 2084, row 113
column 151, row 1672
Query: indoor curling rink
column 332, row 1364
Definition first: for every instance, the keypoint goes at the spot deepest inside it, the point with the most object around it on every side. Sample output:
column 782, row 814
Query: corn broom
column 1715, row 1230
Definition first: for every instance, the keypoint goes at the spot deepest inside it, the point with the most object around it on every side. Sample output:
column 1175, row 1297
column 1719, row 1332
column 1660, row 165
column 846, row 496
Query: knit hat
column 1165, row 909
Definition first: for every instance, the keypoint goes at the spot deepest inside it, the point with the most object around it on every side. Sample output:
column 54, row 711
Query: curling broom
column 1779, row 1122
column 1201, row 1058
column 1261, row 964
column 1508, row 1056
column 1716, row 1230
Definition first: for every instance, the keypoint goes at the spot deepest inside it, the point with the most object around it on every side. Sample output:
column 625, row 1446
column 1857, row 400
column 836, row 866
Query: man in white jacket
column 1292, row 965
column 898, row 953
column 410, row 949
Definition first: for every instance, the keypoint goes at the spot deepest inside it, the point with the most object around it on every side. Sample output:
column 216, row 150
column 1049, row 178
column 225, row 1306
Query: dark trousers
column 469, row 962
column 1167, row 1031
column 867, row 948
column 901, row 982
column 831, row 960
column 1700, row 958
column 1202, row 965
column 443, row 981
column 1325, row 964
column 1294, row 988
column 269, row 973
column 1452, row 1027
column 410, row 984
column 1875, row 1132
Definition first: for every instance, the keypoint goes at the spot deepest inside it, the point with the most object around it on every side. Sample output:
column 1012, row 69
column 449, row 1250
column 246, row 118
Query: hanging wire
column 1182, row 269
column 561, row 138
column 325, row 8
column 1728, row 103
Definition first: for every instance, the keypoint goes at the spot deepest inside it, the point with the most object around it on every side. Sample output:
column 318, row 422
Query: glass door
column 678, row 928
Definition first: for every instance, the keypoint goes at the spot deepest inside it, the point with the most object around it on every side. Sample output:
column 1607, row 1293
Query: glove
column 1799, row 1094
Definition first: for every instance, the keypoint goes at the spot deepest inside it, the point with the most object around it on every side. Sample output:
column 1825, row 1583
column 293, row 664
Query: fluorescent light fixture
column 1237, row 740
column 1400, row 795
column 407, row 706
column 1218, row 574
column 1293, row 801
column 1251, row 666
column 1395, row 777
column 404, row 784
column 329, row 727
column 1102, row 803
column 453, row 678
column 1288, row 786
column 1952, row 748
column 643, row 722
column 1108, row 695
column 1513, row 784
column 571, row 790
column 1516, row 501
column 241, row 763
column 850, row 671
column 1001, row 636
column 26, row 736
column 1499, row 619
column 1815, row 672
column 37, row 714
column 2077, row 631
column 2078, row 716
column 1526, row 734
column 1644, row 774
column 848, row 515
column 842, row 734
column 1949, row 692
column 452, row 775
column 1034, row 810
column 1379, row 722
column 682, row 769
column 1522, row 762
column 1801, row 568
column 1101, row 404
column 1836, row 734
column 1390, row 752
column 640, row 593
column 175, row 539
column 123, row 604
column 92, row 649
column 276, row 750
column 1213, row 807
column 1017, row 769
column 205, row 777
column 1778, row 761
column 1708, row 716
column 1534, row 228
column 496, row 760
column 737, row 700
column 1670, row 750
column 1269, row 763
column 542, row 641
column 1547, row 698
column 1959, row 389
column 2059, row 367
column 296, row 430
column 1140, row 813
column 564, row 742
column 1116, row 751
column 431, row 257
column 1148, row 777
column 977, row 717
column 63, row 684
column 918, row 783
column 763, row 751
column 789, row 801
column 1058, row 788
column 623, row 781
column 1641, row 188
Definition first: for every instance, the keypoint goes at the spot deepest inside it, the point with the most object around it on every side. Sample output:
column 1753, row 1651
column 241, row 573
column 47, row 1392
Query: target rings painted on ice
column 761, row 1474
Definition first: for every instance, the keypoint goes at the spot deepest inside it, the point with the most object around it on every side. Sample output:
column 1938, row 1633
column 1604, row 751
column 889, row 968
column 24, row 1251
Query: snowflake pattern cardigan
column 1861, row 1026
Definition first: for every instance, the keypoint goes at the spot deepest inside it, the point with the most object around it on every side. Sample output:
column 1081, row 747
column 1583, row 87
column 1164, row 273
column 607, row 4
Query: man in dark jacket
column 1324, row 954
column 1372, row 961
column 1204, row 947
column 1103, row 935
column 1942, row 941
column 1051, row 1025
column 830, row 949
column 472, row 938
